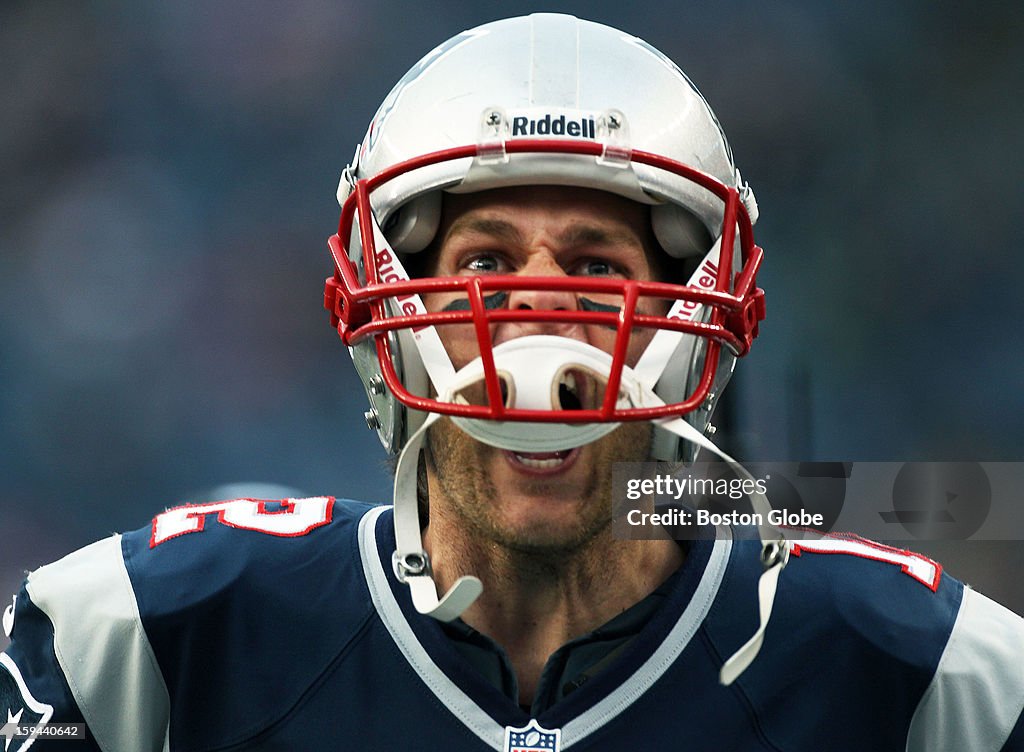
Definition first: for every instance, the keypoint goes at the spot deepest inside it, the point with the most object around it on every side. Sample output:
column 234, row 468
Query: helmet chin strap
column 774, row 551
column 410, row 561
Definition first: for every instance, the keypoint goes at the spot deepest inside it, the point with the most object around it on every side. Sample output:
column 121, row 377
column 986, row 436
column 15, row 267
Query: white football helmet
column 541, row 100
column 544, row 99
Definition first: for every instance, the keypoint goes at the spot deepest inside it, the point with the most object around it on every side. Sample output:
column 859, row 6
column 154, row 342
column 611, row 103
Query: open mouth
column 542, row 460
column 542, row 463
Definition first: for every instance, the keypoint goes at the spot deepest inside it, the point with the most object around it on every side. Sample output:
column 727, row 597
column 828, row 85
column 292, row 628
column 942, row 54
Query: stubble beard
column 460, row 468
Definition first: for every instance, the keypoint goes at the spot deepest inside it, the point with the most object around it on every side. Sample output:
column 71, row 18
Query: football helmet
column 545, row 99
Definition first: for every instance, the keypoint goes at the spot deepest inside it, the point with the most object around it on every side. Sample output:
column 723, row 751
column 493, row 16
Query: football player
column 545, row 264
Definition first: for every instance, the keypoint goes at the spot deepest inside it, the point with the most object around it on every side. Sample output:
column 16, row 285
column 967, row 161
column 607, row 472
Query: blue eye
column 482, row 264
column 596, row 268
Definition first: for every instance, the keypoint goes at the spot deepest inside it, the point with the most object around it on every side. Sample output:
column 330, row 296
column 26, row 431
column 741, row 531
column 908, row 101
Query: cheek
column 604, row 338
column 637, row 344
column 436, row 301
column 641, row 336
column 459, row 340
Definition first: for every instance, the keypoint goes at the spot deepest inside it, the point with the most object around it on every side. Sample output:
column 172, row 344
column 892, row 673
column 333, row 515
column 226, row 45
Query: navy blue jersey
column 280, row 626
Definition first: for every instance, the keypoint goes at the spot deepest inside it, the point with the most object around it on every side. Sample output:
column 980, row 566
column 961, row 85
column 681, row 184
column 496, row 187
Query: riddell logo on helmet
column 389, row 271
column 704, row 279
column 583, row 127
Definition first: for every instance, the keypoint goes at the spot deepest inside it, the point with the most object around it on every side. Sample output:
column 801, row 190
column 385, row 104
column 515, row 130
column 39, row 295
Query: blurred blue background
column 168, row 184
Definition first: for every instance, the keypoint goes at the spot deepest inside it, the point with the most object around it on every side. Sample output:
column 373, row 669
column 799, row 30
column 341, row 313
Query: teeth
column 540, row 464
column 570, row 381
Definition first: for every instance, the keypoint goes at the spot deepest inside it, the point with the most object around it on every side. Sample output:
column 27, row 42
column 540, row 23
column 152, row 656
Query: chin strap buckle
column 775, row 552
column 415, row 564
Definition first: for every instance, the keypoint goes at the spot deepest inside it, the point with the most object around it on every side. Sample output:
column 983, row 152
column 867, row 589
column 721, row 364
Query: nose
column 543, row 265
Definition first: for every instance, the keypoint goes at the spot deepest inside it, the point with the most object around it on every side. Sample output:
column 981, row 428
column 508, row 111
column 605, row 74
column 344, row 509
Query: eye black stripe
column 589, row 305
column 497, row 300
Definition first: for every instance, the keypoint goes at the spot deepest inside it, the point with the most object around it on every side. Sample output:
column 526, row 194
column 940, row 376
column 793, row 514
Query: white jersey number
column 295, row 517
column 921, row 568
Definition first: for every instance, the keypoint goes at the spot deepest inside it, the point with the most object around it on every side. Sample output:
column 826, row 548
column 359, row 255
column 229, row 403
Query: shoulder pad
column 856, row 635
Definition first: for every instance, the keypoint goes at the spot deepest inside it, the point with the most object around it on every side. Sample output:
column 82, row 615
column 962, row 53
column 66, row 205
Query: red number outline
column 856, row 542
column 221, row 508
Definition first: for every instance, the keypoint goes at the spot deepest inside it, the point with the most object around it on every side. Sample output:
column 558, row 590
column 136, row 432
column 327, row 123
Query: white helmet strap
column 432, row 353
column 655, row 358
column 410, row 560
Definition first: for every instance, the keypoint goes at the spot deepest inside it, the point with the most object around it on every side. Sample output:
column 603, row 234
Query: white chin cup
column 533, row 367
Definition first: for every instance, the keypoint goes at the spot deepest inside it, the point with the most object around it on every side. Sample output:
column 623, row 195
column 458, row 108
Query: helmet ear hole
column 413, row 226
column 679, row 232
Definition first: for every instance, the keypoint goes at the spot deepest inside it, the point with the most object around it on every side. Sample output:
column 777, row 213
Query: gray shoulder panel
column 977, row 693
column 102, row 647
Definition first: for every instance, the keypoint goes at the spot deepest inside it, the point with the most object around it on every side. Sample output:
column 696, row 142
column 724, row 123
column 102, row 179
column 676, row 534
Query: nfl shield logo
column 532, row 738
column 18, row 707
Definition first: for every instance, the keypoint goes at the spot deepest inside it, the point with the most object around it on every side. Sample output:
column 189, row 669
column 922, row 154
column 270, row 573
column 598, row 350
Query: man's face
column 553, row 500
